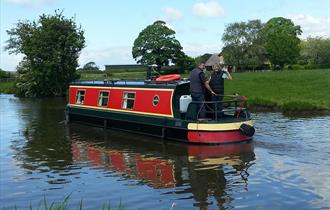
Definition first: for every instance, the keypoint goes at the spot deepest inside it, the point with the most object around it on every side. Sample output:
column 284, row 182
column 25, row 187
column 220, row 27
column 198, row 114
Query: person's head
column 201, row 66
column 216, row 67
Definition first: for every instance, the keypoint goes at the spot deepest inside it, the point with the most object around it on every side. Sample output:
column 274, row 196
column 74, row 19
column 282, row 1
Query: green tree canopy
column 156, row 44
column 281, row 41
column 316, row 51
column 3, row 74
column 243, row 45
column 91, row 66
column 186, row 63
column 51, row 47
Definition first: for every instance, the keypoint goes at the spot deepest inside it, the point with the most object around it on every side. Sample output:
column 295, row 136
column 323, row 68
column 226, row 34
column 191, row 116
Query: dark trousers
column 199, row 97
column 217, row 106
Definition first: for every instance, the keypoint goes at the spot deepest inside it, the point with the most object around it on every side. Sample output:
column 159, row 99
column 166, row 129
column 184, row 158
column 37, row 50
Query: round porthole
column 155, row 100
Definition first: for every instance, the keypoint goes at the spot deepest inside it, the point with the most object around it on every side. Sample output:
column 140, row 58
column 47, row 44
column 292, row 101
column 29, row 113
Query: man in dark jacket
column 198, row 83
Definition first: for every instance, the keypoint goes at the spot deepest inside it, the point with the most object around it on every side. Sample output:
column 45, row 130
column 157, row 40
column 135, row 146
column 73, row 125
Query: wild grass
column 113, row 76
column 7, row 87
column 128, row 70
column 64, row 205
column 129, row 75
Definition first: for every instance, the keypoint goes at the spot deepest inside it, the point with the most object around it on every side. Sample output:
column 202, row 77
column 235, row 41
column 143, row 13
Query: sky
column 111, row 26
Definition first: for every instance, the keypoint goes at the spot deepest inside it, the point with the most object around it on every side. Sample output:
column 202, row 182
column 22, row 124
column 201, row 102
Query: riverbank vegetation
column 288, row 91
column 50, row 55
column 65, row 205
column 7, row 87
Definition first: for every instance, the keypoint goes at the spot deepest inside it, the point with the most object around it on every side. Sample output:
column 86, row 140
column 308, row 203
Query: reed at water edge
column 64, row 205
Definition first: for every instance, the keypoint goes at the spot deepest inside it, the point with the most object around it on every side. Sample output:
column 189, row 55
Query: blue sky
column 111, row 26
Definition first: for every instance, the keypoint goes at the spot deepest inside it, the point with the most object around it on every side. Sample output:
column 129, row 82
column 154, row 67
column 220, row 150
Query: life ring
column 170, row 77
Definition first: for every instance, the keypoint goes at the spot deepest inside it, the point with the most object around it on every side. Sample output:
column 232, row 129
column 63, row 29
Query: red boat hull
column 216, row 137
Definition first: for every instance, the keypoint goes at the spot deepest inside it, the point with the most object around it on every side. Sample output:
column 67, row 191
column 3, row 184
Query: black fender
column 247, row 130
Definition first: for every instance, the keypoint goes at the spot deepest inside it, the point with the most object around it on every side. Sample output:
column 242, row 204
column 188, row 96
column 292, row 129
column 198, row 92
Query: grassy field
column 114, row 76
column 285, row 90
column 7, row 87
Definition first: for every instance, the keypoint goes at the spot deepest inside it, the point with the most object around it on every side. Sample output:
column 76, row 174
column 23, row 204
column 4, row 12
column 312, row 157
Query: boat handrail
column 236, row 107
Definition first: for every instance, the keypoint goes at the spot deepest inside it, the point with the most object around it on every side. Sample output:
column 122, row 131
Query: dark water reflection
column 195, row 172
column 286, row 166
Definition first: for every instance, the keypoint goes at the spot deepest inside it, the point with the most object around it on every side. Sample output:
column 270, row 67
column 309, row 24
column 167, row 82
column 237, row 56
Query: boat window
column 155, row 100
column 128, row 100
column 103, row 98
column 80, row 97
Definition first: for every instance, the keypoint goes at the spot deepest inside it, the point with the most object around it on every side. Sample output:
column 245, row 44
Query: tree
column 91, row 66
column 281, row 41
column 243, row 44
column 156, row 44
column 316, row 51
column 4, row 74
column 51, row 47
column 186, row 63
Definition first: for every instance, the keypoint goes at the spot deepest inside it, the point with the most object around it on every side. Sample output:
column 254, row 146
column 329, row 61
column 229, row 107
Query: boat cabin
column 166, row 99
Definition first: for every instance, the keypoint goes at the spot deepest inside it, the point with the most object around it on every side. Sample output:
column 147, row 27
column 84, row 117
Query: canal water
column 286, row 166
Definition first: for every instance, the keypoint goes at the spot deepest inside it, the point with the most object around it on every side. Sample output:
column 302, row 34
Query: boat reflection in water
column 205, row 171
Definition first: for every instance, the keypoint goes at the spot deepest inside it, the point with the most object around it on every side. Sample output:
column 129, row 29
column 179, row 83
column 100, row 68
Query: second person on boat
column 216, row 83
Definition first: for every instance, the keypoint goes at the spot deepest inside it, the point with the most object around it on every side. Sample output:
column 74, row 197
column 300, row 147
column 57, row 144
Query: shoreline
column 296, row 112
column 291, row 113
column 294, row 93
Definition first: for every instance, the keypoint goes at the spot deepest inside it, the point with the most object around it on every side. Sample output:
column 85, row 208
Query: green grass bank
column 289, row 91
column 7, row 87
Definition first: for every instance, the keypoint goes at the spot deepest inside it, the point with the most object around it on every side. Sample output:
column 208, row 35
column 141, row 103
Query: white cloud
column 312, row 26
column 108, row 55
column 172, row 14
column 209, row 9
column 30, row 3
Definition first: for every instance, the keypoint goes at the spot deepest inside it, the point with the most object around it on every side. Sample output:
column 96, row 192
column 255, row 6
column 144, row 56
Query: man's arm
column 225, row 69
column 207, row 85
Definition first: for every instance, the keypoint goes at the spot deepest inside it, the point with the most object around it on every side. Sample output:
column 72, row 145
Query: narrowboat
column 159, row 107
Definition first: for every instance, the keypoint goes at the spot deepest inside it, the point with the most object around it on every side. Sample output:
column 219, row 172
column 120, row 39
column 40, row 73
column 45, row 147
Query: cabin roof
column 214, row 59
column 131, row 83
